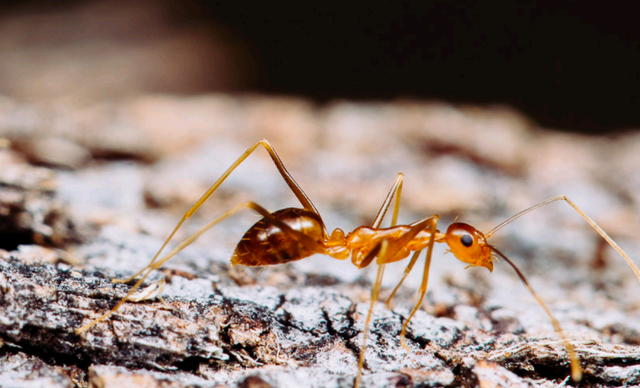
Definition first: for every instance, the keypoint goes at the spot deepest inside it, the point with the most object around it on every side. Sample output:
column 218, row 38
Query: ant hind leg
column 301, row 237
column 293, row 185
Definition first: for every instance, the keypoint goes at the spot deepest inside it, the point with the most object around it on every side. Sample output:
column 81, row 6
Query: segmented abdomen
column 266, row 244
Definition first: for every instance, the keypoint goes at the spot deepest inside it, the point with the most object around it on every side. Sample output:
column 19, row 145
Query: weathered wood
column 29, row 210
column 313, row 329
column 303, row 323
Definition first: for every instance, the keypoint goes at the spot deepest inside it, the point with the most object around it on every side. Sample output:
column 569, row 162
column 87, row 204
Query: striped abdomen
column 266, row 244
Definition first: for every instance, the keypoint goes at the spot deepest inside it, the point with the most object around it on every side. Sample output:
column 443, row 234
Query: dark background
column 569, row 65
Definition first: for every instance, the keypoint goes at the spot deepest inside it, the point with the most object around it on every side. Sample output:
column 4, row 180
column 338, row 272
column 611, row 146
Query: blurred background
column 572, row 66
column 116, row 116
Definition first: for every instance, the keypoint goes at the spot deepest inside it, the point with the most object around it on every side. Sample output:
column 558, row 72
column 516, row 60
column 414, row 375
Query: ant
column 295, row 233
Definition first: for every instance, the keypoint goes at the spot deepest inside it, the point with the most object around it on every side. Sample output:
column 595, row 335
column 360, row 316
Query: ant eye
column 466, row 240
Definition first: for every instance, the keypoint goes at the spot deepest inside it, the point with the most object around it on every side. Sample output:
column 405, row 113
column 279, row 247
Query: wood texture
column 302, row 323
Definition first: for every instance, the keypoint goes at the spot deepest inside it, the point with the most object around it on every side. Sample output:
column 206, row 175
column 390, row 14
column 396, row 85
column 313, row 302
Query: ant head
column 469, row 245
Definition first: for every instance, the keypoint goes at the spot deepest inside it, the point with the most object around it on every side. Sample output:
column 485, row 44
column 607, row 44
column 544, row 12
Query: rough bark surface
column 220, row 336
column 67, row 233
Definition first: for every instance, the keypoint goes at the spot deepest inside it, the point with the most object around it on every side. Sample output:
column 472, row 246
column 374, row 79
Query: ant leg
column 433, row 221
column 381, row 248
column 304, row 239
column 587, row 218
column 576, row 371
column 293, row 185
column 396, row 190
column 407, row 270
column 386, row 251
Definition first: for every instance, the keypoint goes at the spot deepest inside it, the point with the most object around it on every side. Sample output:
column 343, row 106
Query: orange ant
column 295, row 233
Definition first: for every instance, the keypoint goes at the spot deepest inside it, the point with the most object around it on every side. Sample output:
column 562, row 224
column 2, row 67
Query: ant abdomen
column 267, row 244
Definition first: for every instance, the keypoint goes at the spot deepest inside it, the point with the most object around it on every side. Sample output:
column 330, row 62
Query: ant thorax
column 367, row 242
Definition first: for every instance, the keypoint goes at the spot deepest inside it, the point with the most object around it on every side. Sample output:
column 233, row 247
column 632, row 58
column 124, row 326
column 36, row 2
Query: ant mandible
column 295, row 233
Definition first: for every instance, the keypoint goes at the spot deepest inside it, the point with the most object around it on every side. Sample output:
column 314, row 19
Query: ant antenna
column 576, row 371
column 595, row 226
